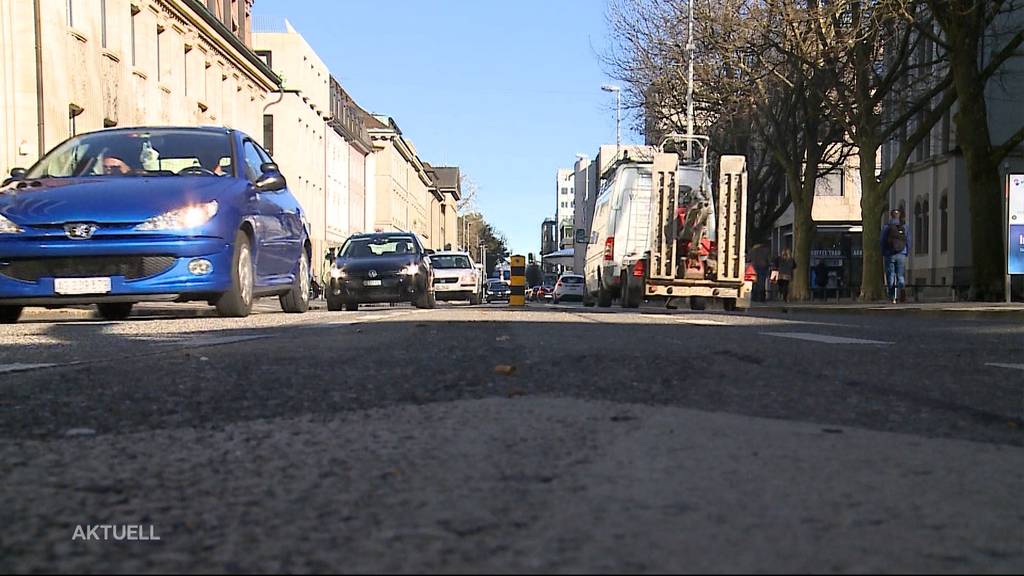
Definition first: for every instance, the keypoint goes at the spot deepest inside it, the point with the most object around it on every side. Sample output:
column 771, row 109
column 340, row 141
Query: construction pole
column 689, row 83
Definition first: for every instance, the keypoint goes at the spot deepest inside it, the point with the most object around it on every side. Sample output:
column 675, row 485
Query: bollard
column 517, row 296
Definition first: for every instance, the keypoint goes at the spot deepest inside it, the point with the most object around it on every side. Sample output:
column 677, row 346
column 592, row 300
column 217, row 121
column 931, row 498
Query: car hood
column 106, row 199
column 378, row 263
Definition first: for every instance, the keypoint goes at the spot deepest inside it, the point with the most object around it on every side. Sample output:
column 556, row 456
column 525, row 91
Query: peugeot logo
column 79, row 231
column 372, row 274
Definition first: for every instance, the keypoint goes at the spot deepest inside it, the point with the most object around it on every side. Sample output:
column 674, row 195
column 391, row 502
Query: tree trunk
column 983, row 185
column 872, row 203
column 804, row 230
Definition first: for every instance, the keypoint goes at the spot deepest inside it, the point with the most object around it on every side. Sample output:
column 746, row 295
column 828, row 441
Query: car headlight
column 410, row 270
column 8, row 227
column 337, row 273
column 182, row 218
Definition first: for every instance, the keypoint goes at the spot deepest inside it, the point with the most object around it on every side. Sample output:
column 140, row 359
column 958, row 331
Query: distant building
column 548, row 240
column 565, row 206
column 99, row 64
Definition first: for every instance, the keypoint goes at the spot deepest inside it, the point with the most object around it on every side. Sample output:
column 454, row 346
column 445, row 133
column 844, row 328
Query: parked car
column 123, row 216
column 497, row 290
column 456, row 277
column 569, row 287
column 381, row 267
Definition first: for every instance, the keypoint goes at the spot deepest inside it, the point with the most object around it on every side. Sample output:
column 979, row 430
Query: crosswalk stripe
column 822, row 338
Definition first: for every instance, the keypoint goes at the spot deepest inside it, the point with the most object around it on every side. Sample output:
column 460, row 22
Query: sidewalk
column 987, row 310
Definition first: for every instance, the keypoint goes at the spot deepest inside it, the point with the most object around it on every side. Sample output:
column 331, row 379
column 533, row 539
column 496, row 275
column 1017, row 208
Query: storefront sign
column 1016, row 224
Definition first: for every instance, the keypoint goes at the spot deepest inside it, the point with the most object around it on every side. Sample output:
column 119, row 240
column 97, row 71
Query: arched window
column 918, row 225
column 926, row 220
column 944, row 223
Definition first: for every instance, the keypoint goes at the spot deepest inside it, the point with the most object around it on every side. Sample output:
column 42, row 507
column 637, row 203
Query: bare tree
column 965, row 26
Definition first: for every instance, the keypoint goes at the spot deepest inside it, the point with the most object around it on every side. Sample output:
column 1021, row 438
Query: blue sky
column 508, row 91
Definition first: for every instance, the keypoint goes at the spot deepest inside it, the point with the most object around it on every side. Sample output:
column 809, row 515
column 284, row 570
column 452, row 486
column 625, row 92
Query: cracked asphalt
column 389, row 440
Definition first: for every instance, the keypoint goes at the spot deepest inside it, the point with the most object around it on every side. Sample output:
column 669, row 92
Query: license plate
column 372, row 283
column 78, row 286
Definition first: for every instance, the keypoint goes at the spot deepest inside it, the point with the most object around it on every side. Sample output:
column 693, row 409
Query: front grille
column 131, row 267
column 446, row 280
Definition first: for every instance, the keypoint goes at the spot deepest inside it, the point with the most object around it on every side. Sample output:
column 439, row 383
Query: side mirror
column 581, row 236
column 17, row 175
column 272, row 180
column 430, row 252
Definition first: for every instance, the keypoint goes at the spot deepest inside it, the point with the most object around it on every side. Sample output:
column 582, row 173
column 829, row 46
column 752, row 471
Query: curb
column 881, row 310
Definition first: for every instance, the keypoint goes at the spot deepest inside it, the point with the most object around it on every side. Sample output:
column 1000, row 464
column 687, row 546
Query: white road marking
column 9, row 368
column 701, row 322
column 204, row 341
column 822, row 338
column 1010, row 366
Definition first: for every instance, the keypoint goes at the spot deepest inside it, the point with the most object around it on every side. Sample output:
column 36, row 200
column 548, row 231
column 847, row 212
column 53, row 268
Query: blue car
column 118, row 217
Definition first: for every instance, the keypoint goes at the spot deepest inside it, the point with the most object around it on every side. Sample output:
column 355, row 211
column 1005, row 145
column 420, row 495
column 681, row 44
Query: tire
column 698, row 303
column 604, row 297
column 632, row 294
column 237, row 302
column 10, row 314
column 475, row 299
column 334, row 305
column 116, row 311
column 729, row 304
column 352, row 306
column 426, row 301
column 296, row 301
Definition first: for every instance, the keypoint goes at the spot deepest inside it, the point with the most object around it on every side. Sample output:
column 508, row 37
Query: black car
column 497, row 290
column 382, row 267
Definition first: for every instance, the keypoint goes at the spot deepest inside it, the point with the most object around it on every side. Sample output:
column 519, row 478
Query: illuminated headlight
column 337, row 273
column 8, row 227
column 410, row 270
column 181, row 219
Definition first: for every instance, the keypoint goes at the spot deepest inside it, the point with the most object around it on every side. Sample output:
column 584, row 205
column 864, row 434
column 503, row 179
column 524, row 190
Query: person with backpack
column 895, row 250
column 785, row 266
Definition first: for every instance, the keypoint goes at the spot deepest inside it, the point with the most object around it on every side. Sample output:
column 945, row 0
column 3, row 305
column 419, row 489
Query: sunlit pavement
column 553, row 438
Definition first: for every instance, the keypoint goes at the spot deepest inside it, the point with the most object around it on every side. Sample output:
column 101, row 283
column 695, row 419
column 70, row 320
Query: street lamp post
column 618, row 113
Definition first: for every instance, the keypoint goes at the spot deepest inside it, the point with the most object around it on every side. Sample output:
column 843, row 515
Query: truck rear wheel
column 632, row 292
column 698, row 303
column 729, row 304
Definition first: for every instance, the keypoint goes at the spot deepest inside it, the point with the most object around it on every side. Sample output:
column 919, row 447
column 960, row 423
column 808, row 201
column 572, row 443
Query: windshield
column 378, row 246
column 122, row 153
column 450, row 262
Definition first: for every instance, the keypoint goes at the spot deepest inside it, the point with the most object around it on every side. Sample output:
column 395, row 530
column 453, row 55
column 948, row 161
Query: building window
column 944, row 223
column 268, row 133
column 74, row 112
column 135, row 50
column 831, row 184
column 267, row 56
column 159, row 62
column 926, row 233
column 103, row 23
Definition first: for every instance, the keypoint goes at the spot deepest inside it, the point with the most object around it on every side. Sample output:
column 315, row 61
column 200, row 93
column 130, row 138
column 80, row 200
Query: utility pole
column 689, row 83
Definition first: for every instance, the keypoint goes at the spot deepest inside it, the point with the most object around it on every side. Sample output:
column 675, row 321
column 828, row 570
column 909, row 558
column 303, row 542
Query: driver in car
column 114, row 166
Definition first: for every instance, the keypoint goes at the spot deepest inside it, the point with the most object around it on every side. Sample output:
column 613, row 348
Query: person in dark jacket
column 786, row 266
column 895, row 250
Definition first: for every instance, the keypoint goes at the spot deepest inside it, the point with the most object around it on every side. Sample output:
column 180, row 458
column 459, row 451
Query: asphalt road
column 551, row 439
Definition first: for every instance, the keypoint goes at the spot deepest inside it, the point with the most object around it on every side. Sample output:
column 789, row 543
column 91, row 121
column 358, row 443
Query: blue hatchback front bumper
column 28, row 268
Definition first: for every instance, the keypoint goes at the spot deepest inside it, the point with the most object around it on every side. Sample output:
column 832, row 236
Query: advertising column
column 1015, row 252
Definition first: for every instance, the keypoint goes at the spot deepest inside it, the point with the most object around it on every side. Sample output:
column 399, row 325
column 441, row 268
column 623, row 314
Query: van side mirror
column 581, row 236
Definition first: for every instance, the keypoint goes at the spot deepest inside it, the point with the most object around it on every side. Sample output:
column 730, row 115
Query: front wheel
column 237, row 301
column 426, row 301
column 334, row 305
column 116, row 311
column 352, row 306
column 10, row 314
column 296, row 301
column 729, row 304
column 475, row 299
column 698, row 303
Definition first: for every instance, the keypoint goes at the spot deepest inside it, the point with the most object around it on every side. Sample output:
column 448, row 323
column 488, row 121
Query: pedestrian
column 760, row 257
column 895, row 250
column 785, row 265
